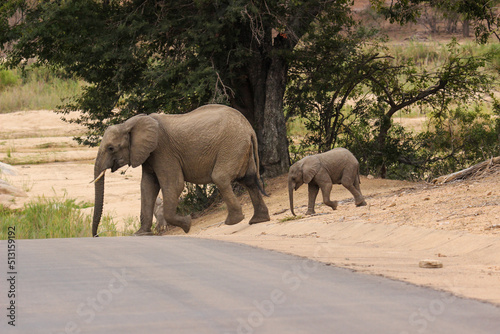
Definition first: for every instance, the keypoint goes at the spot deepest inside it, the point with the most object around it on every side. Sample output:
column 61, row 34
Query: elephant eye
column 111, row 149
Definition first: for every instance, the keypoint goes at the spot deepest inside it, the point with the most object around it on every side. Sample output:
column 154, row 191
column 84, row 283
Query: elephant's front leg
column 313, row 190
column 149, row 192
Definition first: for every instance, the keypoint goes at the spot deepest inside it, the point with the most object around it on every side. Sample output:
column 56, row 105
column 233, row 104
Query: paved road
column 187, row 285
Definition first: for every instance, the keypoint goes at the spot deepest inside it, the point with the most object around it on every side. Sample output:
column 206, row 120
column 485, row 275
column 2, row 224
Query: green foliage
column 326, row 73
column 51, row 218
column 362, row 141
column 197, row 198
column 7, row 78
column 440, row 85
column 165, row 56
column 465, row 137
column 459, row 80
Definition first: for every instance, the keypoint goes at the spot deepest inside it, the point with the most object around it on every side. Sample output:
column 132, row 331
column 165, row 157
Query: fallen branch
column 473, row 171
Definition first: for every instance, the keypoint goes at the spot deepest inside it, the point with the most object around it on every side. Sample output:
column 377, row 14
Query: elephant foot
column 333, row 205
column 142, row 232
column 184, row 223
column 259, row 219
column 361, row 204
column 186, row 226
column 234, row 219
column 310, row 212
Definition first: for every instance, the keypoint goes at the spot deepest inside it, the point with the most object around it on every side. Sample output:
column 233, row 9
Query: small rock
column 492, row 227
column 370, row 177
column 430, row 264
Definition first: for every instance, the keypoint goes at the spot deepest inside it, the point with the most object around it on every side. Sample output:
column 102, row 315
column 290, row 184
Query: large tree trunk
column 259, row 96
column 259, row 87
column 274, row 143
column 466, row 28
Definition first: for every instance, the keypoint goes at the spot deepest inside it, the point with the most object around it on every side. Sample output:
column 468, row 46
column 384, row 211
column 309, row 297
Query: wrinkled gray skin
column 321, row 171
column 161, row 224
column 212, row 144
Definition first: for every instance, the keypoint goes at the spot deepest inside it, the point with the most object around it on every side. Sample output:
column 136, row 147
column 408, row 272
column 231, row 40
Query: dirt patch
column 402, row 224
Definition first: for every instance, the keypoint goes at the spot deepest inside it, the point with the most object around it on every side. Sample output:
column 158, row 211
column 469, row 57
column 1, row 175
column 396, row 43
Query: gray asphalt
column 188, row 285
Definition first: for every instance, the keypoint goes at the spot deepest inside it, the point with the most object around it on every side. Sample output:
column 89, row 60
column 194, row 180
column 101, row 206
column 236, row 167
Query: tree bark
column 259, row 89
column 259, row 96
column 466, row 28
column 470, row 172
column 274, row 149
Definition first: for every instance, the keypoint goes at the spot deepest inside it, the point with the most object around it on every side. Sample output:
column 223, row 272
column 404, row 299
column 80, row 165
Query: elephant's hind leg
column 234, row 212
column 260, row 211
column 171, row 192
column 359, row 200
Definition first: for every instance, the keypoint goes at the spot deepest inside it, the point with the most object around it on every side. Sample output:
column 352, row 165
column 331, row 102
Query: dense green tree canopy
column 172, row 56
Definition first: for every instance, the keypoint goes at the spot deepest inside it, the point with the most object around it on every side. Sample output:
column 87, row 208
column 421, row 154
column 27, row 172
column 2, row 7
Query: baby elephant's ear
column 310, row 168
column 143, row 132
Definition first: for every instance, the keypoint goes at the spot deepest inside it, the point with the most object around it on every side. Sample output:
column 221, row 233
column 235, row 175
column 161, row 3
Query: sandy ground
column 403, row 223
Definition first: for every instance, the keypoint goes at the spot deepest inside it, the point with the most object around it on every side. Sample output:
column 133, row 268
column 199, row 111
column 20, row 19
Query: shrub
column 197, row 198
column 8, row 78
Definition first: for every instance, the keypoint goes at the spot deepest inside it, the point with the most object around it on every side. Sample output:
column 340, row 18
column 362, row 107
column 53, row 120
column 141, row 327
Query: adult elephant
column 212, row 144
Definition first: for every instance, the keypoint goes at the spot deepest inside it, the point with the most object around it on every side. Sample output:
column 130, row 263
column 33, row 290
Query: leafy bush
column 197, row 198
column 8, row 78
column 465, row 137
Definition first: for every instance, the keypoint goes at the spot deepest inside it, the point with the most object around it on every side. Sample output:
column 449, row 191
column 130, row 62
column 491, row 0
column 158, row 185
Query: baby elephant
column 338, row 166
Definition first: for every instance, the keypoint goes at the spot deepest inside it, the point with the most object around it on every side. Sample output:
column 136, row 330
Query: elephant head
column 303, row 171
column 129, row 143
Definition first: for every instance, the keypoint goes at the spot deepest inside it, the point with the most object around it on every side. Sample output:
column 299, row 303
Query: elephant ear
column 143, row 132
column 310, row 168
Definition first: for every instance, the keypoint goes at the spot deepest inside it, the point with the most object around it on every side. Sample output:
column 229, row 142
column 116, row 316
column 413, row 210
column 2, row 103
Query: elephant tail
column 257, row 177
column 358, row 179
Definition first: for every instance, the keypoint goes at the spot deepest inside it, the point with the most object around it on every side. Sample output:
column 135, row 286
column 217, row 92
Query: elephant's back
column 215, row 117
column 340, row 163
column 219, row 114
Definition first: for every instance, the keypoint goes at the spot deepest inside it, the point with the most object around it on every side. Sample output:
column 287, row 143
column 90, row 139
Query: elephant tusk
column 99, row 177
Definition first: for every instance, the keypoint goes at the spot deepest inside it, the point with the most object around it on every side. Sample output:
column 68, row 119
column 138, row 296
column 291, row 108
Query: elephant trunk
column 290, row 196
column 99, row 197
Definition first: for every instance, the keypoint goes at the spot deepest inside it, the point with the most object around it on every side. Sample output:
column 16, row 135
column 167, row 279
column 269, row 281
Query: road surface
column 190, row 285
